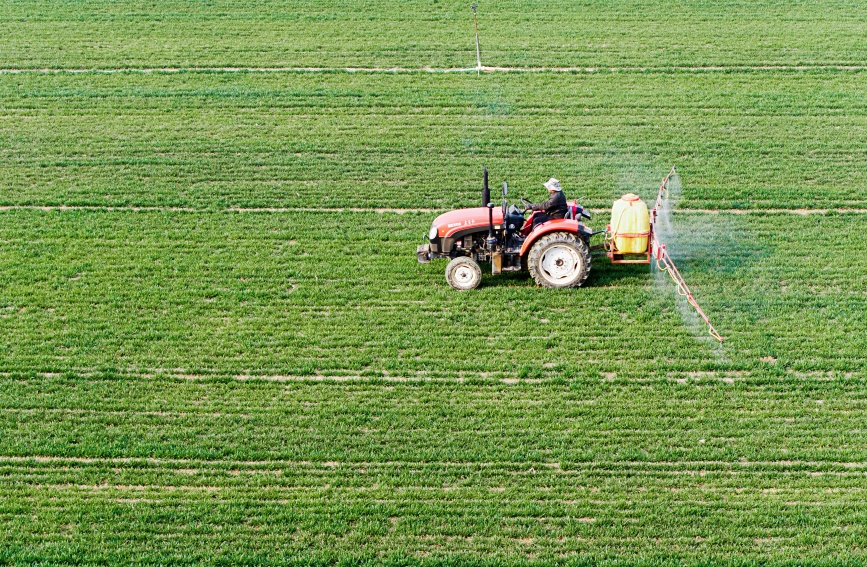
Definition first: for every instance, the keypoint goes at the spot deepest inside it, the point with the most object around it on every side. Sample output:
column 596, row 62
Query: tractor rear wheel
column 559, row 260
column 463, row 273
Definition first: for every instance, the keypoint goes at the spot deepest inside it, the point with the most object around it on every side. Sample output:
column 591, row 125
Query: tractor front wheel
column 463, row 273
column 559, row 260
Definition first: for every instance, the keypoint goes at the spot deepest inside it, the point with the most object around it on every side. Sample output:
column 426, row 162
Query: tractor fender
column 553, row 225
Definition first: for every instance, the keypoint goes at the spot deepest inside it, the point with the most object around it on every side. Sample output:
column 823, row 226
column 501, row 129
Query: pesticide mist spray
column 687, row 240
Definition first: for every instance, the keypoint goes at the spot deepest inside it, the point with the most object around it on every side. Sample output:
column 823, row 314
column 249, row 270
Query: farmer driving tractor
column 554, row 208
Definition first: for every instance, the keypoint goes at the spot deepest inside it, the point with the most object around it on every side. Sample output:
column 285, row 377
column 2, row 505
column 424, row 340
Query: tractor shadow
column 602, row 274
column 505, row 279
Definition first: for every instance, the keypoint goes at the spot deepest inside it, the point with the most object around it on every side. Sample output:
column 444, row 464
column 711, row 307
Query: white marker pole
column 478, row 50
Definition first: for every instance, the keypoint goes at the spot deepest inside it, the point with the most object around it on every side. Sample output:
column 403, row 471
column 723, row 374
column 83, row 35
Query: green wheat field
column 217, row 346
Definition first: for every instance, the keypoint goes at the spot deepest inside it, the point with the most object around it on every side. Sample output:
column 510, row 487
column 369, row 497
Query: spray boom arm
column 664, row 261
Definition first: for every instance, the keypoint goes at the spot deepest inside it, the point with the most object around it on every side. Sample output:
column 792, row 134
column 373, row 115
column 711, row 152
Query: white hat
column 553, row 185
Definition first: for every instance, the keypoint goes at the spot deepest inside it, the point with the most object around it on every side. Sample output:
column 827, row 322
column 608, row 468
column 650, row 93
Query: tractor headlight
column 433, row 233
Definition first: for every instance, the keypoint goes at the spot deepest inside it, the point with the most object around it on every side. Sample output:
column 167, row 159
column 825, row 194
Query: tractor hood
column 449, row 223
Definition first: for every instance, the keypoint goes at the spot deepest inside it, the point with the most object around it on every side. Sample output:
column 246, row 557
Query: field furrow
column 248, row 140
column 376, row 33
column 589, row 467
column 294, row 294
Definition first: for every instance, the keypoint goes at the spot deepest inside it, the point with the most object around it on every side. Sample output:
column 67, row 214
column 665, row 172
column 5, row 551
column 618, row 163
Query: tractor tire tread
column 539, row 247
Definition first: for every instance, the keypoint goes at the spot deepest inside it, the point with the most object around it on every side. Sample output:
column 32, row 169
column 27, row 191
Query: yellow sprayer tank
column 630, row 225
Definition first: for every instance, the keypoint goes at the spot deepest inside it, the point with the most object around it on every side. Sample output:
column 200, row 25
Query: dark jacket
column 555, row 207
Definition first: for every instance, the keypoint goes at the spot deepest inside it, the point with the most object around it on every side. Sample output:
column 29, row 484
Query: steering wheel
column 526, row 203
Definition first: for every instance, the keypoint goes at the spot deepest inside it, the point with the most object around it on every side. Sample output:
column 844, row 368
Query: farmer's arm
column 543, row 206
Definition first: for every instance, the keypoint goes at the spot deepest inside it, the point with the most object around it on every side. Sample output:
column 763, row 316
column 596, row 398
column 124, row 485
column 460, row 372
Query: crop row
column 741, row 140
column 435, row 33
column 788, row 427
column 342, row 294
column 676, row 525
column 100, row 467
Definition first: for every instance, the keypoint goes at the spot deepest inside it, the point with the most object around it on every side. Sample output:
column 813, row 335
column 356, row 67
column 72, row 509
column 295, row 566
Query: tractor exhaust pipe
column 486, row 192
column 492, row 240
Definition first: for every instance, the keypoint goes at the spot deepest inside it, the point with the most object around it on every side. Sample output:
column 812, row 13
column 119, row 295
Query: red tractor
column 556, row 252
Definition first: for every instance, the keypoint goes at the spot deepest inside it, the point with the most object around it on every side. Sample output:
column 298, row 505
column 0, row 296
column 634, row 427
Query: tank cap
column 630, row 197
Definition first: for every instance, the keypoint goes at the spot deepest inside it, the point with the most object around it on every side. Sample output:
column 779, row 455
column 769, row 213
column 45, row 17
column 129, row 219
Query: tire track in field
column 432, row 70
column 148, row 374
column 158, row 209
column 528, row 467
column 477, row 379
column 384, row 210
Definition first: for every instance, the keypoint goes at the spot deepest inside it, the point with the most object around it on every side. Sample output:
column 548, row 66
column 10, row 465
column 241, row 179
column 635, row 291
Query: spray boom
column 664, row 261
